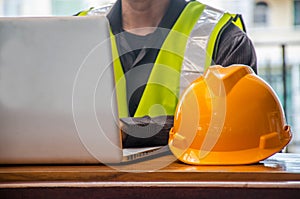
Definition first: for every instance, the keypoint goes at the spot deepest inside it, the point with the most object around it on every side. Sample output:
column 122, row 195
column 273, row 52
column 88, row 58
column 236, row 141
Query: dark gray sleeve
column 235, row 47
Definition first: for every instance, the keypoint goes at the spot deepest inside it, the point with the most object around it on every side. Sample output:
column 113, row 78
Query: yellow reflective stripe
column 213, row 37
column 162, row 90
column 238, row 21
column 85, row 12
column 120, row 81
column 188, row 18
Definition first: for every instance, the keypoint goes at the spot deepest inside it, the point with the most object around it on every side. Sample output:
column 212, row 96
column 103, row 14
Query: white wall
column 36, row 7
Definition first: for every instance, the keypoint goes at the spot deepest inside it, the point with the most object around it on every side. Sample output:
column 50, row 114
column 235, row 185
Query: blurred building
column 276, row 34
column 273, row 26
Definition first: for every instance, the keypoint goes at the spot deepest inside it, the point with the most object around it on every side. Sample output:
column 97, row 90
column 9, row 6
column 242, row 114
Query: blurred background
column 273, row 26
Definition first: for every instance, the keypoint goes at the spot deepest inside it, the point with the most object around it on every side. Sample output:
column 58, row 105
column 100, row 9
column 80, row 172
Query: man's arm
column 235, row 47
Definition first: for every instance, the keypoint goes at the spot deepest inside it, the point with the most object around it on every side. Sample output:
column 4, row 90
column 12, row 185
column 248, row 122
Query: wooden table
column 161, row 177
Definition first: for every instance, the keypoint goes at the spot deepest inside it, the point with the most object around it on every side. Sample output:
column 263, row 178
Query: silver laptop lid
column 56, row 91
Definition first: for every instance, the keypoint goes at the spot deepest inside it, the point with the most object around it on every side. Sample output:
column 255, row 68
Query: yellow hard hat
column 228, row 116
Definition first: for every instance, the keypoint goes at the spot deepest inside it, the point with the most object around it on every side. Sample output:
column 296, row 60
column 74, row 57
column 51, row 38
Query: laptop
column 57, row 94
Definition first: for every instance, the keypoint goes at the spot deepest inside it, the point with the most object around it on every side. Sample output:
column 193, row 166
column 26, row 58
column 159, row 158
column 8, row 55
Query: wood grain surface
column 160, row 177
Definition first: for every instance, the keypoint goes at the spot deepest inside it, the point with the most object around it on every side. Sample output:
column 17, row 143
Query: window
column 261, row 13
column 297, row 12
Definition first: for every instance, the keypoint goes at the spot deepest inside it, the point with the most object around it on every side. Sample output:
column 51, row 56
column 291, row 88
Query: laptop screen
column 57, row 102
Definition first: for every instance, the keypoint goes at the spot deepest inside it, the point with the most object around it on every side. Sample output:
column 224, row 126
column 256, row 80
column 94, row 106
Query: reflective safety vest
column 187, row 51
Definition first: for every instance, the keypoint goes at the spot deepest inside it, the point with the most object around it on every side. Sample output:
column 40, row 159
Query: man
column 160, row 46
